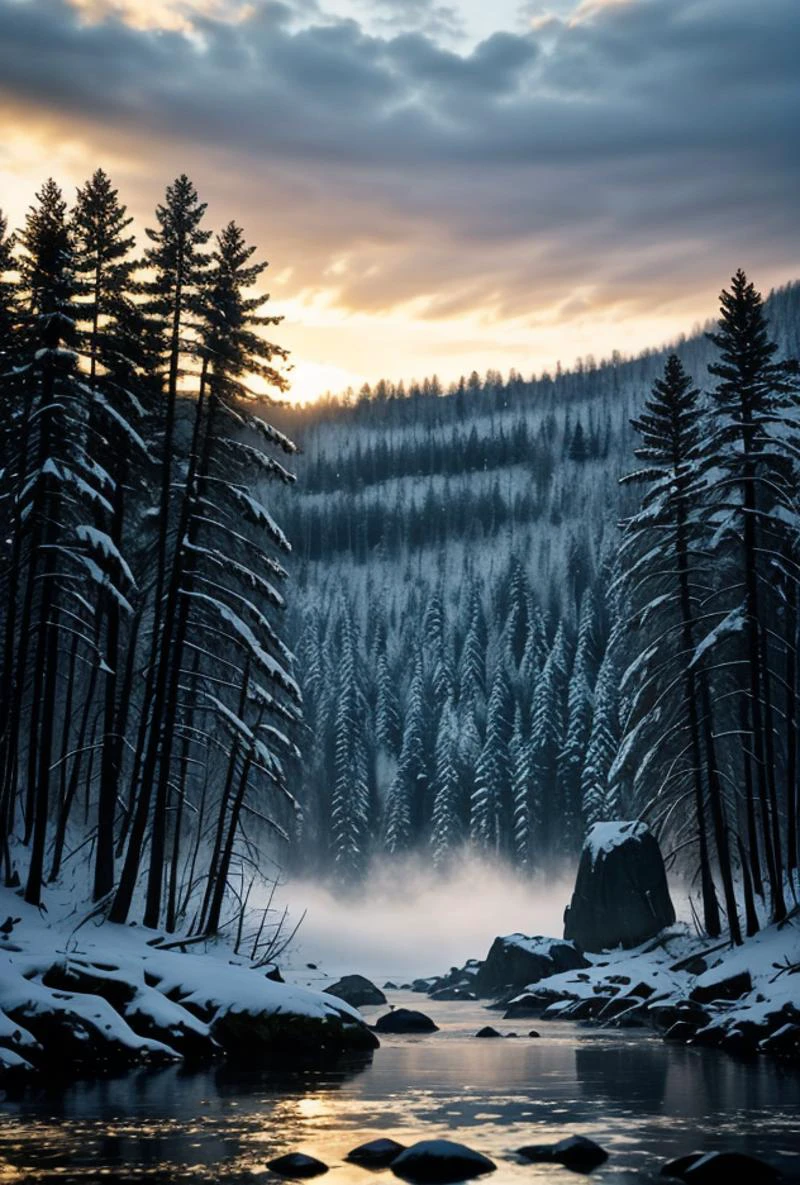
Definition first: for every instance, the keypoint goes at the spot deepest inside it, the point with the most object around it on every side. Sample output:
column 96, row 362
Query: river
column 641, row 1099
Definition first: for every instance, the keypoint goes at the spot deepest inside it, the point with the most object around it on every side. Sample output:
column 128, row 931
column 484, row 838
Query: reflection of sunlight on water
column 643, row 1100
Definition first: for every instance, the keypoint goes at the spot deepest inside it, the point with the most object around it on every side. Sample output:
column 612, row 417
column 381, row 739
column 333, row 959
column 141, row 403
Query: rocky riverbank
column 745, row 1000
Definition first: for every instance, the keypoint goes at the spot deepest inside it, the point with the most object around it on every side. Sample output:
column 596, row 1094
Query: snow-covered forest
column 519, row 607
column 486, row 660
column 145, row 694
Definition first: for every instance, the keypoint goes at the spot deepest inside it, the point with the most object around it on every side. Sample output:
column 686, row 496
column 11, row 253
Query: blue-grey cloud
column 652, row 138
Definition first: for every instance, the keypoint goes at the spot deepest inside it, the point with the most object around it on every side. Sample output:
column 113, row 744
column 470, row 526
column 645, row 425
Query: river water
column 644, row 1101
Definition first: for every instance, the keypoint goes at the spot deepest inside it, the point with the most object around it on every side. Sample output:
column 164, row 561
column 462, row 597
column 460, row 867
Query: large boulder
column 621, row 896
column 356, row 990
column 515, row 961
column 405, row 1020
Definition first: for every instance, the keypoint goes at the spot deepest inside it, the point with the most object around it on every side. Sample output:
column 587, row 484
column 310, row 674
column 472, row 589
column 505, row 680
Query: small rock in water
column 377, row 1154
column 533, row 1033
column 297, row 1164
column 405, row 1020
column 511, row 1035
column 356, row 990
column 576, row 1152
column 389, row 986
column 487, row 1031
column 440, row 1162
column 721, row 1168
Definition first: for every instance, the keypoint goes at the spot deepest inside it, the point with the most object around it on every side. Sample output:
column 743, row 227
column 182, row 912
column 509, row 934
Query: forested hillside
column 460, row 620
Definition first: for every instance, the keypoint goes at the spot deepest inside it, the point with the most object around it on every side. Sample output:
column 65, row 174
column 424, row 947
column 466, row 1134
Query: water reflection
column 644, row 1100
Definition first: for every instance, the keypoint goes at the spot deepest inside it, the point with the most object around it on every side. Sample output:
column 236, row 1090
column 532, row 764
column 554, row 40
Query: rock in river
column 297, row 1165
column 621, row 896
column 721, row 1168
column 356, row 990
column 514, row 961
column 576, row 1152
column 405, row 1020
column 487, row 1031
column 377, row 1154
column 437, row 1162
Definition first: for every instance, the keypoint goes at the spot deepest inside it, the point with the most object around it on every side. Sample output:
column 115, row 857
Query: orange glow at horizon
column 334, row 347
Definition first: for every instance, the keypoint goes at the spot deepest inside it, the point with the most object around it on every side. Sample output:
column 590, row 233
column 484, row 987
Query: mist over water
column 406, row 920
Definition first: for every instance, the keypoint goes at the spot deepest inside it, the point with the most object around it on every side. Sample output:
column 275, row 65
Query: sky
column 438, row 185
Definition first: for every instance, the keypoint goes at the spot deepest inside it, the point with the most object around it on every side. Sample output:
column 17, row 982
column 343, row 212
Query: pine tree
column 447, row 817
column 548, row 722
column 580, row 706
column 178, row 264
column 742, row 445
column 387, row 710
column 666, row 578
column 491, row 809
column 522, row 789
column 62, row 484
column 117, row 343
column 599, row 796
column 350, row 801
column 411, row 780
column 472, row 664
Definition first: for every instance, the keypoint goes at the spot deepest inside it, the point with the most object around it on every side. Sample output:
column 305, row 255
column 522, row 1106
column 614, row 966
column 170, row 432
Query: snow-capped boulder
column 356, row 990
column 438, row 1162
column 621, row 896
column 720, row 985
column 515, row 961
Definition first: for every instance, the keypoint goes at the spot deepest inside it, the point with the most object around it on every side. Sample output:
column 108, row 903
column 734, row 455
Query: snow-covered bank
column 745, row 1000
column 100, row 998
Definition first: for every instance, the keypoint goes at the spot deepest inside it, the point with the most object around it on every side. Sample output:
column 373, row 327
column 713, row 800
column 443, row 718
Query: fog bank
column 406, row 920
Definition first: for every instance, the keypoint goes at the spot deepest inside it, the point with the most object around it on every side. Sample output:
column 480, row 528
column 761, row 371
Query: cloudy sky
column 437, row 184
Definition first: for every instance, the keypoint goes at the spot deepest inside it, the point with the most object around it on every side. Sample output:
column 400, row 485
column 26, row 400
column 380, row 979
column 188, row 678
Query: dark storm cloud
column 650, row 137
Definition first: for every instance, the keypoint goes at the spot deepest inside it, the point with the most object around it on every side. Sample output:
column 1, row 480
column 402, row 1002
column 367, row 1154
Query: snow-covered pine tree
column 447, row 819
column 548, row 722
column 580, row 706
column 118, row 349
column 667, row 574
column 521, row 772
column 411, row 780
column 743, row 454
column 350, row 823
column 600, row 798
column 491, row 820
column 177, row 265
column 472, row 662
column 388, row 728
column 61, row 484
column 533, row 659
